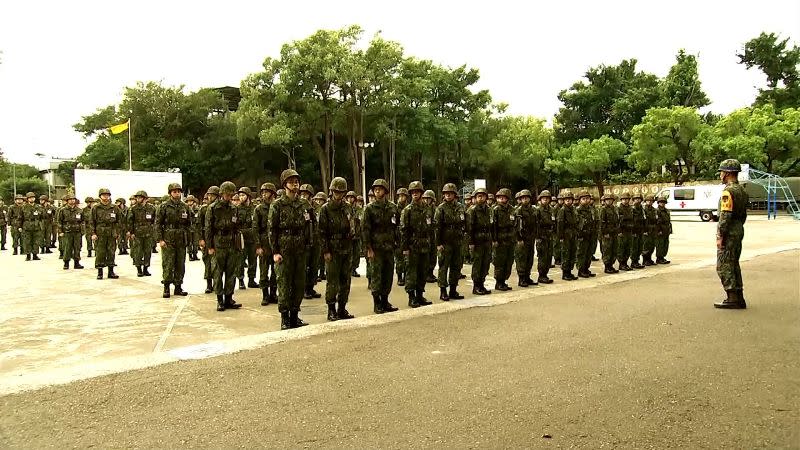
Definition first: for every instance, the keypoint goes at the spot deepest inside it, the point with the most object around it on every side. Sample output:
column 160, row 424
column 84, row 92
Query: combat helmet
column 415, row 186
column 44, row 197
column 245, row 190
column 636, row 195
column 429, row 194
column 307, row 188
column 402, row 191
column 103, row 191
column 567, row 195
column 338, row 184
column 268, row 187
column 120, row 200
column 524, row 193
column 730, row 165
column 288, row 173
column 479, row 191
column 449, row 187
column 174, row 187
column 504, row 192
column 142, row 194
column 544, row 193
column 191, row 198
column 227, row 188
column 321, row 196
column 350, row 194
column 625, row 195
column 584, row 193
column 87, row 200
column 213, row 190
column 650, row 198
column 490, row 196
column 382, row 183
column 662, row 199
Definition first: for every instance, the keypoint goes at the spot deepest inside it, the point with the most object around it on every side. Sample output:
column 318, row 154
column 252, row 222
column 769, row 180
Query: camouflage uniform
column 567, row 227
column 609, row 233
column 416, row 227
column 14, row 214
column 448, row 234
column 663, row 230
column 649, row 235
column 141, row 226
column 626, row 222
column 399, row 258
column 312, row 247
column 48, row 222
column 379, row 234
column 545, row 226
column 356, row 251
column 104, row 224
column 337, row 231
column 479, row 233
column 730, row 233
column 3, row 225
column 222, row 239
column 208, row 261
column 290, row 227
column 526, row 239
column 87, row 217
column 31, row 224
column 267, row 279
column 586, row 235
column 557, row 242
column 637, row 236
column 173, row 222
column 69, row 221
column 429, row 200
column 504, row 226
column 194, row 231
column 122, row 242
column 250, row 237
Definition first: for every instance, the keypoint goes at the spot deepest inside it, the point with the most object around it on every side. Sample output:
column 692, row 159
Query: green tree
column 667, row 137
column 589, row 158
column 520, row 150
column 24, row 185
column 681, row 86
column 780, row 63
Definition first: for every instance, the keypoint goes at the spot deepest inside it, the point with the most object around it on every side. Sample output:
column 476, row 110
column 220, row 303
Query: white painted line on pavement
column 163, row 339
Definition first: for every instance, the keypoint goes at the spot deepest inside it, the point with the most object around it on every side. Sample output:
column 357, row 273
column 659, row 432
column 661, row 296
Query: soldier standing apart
column 663, row 230
column 639, row 222
column 730, row 232
column 247, row 227
column 649, row 234
column 266, row 265
column 526, row 238
column 290, row 227
column 31, row 225
column 567, row 227
column 87, row 217
column 141, row 232
column 69, row 221
column 609, row 232
column 336, row 229
column 222, row 242
column 545, row 225
column 48, row 219
column 479, row 234
column 379, row 231
column 173, row 222
column 14, row 215
column 586, row 234
column 448, row 234
column 416, row 226
column 3, row 225
column 192, row 247
column 208, row 270
column 104, row 226
column 399, row 258
column 504, row 224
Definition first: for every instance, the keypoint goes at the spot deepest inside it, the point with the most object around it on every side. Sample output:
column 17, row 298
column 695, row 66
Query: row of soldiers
column 45, row 231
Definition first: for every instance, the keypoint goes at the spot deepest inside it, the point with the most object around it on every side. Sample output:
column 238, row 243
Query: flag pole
column 130, row 151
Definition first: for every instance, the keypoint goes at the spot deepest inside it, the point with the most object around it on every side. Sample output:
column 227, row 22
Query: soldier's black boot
column 145, row 272
column 66, row 264
column 343, row 313
column 740, row 296
column 502, row 286
column 89, row 254
column 295, row 321
column 662, row 261
column 111, row 273
column 16, row 252
column 355, row 274
column 523, row 282
column 567, row 275
column 77, row 264
column 332, row 317
column 35, row 257
column 179, row 291
column 285, row 323
column 220, row 303
column 454, row 295
column 531, row 281
column 209, row 286
column 28, row 257
column 230, row 304
column 732, row 301
column 139, row 271
column 2, row 247
column 387, row 307
column 252, row 283
column 609, row 269
column 543, row 278
column 100, row 273
column 443, row 294
column 166, row 291
column 273, row 294
column 401, row 279
column 421, row 299
column 412, row 300
column 241, row 284
column 431, row 278
column 377, row 303
column 264, row 296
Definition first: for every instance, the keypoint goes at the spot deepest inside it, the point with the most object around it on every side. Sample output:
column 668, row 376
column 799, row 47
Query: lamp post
column 363, row 167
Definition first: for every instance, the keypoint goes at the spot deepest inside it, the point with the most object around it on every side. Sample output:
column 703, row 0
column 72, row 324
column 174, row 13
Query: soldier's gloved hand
column 277, row 258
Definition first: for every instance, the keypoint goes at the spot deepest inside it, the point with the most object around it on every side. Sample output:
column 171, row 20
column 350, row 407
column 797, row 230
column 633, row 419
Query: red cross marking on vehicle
column 683, row 204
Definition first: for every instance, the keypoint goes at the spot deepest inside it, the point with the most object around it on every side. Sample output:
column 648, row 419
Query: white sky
column 64, row 59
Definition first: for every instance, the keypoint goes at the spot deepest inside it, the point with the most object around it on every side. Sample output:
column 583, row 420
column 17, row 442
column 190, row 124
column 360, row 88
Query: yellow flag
column 117, row 129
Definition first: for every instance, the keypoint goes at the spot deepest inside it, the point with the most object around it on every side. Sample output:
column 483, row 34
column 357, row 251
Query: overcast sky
column 64, row 59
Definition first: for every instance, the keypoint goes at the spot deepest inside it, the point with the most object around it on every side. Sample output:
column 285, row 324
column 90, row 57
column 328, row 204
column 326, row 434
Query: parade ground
column 633, row 360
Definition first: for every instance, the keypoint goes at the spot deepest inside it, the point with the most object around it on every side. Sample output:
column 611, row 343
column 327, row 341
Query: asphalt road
column 640, row 364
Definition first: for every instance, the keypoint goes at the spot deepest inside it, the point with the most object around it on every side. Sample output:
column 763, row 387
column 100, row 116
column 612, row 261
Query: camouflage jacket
column 449, row 224
column 504, row 224
column 732, row 211
column 479, row 225
column 337, row 227
column 222, row 225
column 416, row 228
column 566, row 222
column 291, row 224
column 379, row 226
column 69, row 219
column 173, row 221
column 141, row 220
column 105, row 219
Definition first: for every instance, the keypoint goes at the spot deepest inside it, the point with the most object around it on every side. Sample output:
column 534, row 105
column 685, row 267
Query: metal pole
column 130, row 151
column 363, row 172
column 14, row 170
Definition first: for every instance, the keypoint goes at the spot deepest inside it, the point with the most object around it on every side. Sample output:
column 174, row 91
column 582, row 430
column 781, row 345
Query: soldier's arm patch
column 726, row 202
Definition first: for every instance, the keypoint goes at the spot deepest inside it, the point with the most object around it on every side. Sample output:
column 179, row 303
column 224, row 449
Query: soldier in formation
column 416, row 229
column 504, row 238
column 267, row 279
column 545, row 228
column 337, row 231
column 30, row 223
column 379, row 230
column 48, row 221
column 448, row 234
column 223, row 241
column 208, row 269
column 3, row 225
column 567, row 227
column 69, row 222
column 479, row 235
column 586, row 232
column 526, row 238
column 104, row 227
column 141, row 232
column 173, row 223
column 399, row 258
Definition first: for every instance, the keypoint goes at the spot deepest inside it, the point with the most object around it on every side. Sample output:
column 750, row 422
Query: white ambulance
column 702, row 200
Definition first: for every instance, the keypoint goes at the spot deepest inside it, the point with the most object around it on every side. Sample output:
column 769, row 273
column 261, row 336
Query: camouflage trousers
column 523, row 256
column 106, row 246
column 173, row 262
column 208, row 265
column 636, row 246
column 624, row 247
column 3, row 233
column 648, row 245
column 46, row 235
column 338, row 271
column 71, row 244
column 355, row 254
column 312, row 267
column 450, row 264
column 381, row 268
column 557, row 251
column 141, row 252
column 431, row 259
column 662, row 245
column 569, row 248
column 399, row 263
column 503, row 261
column 291, row 279
column 544, row 249
column 248, row 258
column 416, row 270
column 608, row 248
column 728, row 269
column 122, row 244
column 16, row 238
column 225, row 264
column 192, row 247
column 266, row 270
column 481, row 255
column 31, row 240
column 89, row 243
column 583, row 253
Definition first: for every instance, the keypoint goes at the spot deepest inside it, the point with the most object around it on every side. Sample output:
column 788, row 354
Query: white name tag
column 428, row 220
column 394, row 220
column 78, row 216
column 148, row 216
column 307, row 216
column 511, row 217
column 460, row 217
column 184, row 215
column 113, row 215
column 233, row 219
column 36, row 213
